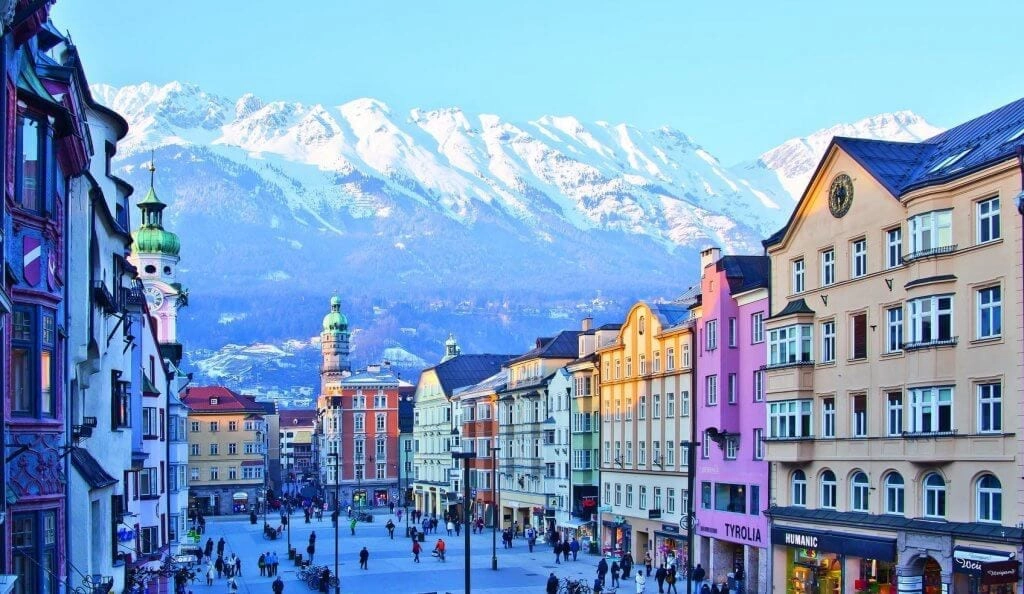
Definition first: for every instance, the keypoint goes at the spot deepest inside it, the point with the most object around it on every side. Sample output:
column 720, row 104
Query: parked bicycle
column 571, row 586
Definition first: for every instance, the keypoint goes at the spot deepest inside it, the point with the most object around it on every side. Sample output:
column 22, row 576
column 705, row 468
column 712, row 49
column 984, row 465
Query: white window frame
column 990, row 407
column 894, row 247
column 828, row 418
column 711, row 335
column 988, row 220
column 798, row 488
column 934, row 497
column 790, row 419
column 894, row 414
column 670, row 405
column 656, row 406
column 734, row 332
column 733, row 388
column 791, row 344
column 829, row 491
column 929, row 310
column 895, row 494
column 798, row 276
column 989, row 312
column 925, row 409
column 860, row 493
column 994, row 495
column 757, row 327
column 931, row 231
column 758, row 385
column 758, row 444
column 894, row 329
column 858, row 420
column 828, row 267
column 828, row 342
column 711, row 390
column 859, row 258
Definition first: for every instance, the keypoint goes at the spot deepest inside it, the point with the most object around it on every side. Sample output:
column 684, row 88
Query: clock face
column 840, row 195
column 155, row 297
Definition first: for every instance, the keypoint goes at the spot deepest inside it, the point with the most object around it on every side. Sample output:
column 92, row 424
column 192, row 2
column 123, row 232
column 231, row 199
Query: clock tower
column 155, row 254
column 334, row 345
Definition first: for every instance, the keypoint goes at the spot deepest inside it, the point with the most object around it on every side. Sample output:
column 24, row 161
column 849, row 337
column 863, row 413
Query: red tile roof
column 198, row 400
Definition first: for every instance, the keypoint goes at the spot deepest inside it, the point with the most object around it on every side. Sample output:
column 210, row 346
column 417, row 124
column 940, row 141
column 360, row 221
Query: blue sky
column 739, row 77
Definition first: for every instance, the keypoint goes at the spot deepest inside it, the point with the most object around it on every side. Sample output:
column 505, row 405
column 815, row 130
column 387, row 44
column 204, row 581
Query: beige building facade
column 893, row 379
column 646, row 398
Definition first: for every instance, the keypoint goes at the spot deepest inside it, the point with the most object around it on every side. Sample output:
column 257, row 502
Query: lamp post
column 465, row 456
column 288, row 515
column 691, row 452
column 497, row 510
column 337, row 486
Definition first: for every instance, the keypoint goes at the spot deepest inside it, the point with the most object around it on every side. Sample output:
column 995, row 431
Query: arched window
column 799, row 489
column 990, row 499
column 828, row 489
column 859, row 487
column 934, row 496
column 894, row 494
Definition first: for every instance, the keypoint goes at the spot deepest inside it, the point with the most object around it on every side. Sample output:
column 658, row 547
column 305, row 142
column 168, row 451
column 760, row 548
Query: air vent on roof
column 950, row 160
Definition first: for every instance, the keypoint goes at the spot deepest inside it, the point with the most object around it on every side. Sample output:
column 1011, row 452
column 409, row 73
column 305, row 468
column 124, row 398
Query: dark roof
column 298, row 417
column 930, row 279
column 466, row 370
column 90, row 469
column 564, row 345
column 905, row 166
column 745, row 273
column 798, row 306
column 981, row 530
column 670, row 314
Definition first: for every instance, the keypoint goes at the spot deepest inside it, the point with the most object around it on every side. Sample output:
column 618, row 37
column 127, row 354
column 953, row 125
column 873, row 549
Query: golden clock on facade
column 840, row 195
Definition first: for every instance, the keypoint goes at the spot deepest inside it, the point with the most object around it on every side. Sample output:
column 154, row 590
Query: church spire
column 151, row 237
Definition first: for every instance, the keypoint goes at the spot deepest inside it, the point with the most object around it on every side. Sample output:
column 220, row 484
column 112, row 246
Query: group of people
column 562, row 549
column 268, row 563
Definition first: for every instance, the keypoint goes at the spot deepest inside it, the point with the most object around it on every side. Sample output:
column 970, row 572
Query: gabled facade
column 585, row 436
column 436, row 429
column 645, row 391
column 894, row 367
column 731, row 474
column 524, row 409
column 227, row 450
column 479, row 433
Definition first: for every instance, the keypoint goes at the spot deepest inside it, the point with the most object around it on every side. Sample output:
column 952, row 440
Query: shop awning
column 993, row 567
column 575, row 523
column 252, row 463
column 240, row 495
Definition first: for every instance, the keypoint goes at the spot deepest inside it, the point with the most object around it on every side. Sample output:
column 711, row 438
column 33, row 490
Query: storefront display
column 820, row 562
column 978, row 571
column 670, row 547
column 617, row 538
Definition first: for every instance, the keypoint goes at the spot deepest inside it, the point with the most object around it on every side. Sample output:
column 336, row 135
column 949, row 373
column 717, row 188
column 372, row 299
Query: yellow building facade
column 894, row 369
column 227, row 437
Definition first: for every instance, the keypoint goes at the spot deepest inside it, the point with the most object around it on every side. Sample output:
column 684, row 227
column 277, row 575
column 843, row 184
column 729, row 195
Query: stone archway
column 923, row 574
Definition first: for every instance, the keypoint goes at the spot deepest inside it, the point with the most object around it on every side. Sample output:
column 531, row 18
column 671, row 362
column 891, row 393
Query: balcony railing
column 806, row 363
column 930, row 344
column 928, row 253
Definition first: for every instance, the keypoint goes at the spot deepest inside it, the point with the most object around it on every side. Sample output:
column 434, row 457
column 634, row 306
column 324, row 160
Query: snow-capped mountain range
column 279, row 204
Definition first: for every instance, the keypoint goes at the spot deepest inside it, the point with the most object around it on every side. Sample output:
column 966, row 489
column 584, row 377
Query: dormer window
column 214, row 401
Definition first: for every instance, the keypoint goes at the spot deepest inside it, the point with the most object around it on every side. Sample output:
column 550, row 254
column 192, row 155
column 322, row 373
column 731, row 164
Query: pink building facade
column 732, row 476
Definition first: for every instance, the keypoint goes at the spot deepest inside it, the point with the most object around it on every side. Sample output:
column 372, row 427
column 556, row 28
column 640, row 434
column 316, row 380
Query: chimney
column 588, row 322
column 708, row 256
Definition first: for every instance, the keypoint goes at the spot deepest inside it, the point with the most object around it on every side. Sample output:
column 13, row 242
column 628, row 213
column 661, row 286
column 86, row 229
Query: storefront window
column 813, row 572
column 875, row 576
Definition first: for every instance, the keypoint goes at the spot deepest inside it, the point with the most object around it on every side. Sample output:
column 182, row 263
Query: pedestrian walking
column 641, row 582
column 670, row 581
column 615, row 574
column 220, row 546
column 739, row 576
column 352, row 526
column 219, row 564
column 450, row 526
column 552, row 584
column 238, row 566
column 647, row 562
column 364, row 555
column 439, row 549
column 659, row 576
column 210, row 574
column 275, row 562
column 278, row 586
column 262, row 564
column 458, row 527
column 416, row 548
column 209, row 548
column 232, row 585
column 391, row 529
column 391, row 506
column 311, row 549
column 698, row 578
column 627, row 565
column 602, row 569
column 574, row 546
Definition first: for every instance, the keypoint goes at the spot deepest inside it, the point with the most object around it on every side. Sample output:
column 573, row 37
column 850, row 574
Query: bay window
column 790, row 344
column 789, row 419
column 30, row 175
column 32, row 362
column 931, row 320
column 930, row 232
column 931, row 409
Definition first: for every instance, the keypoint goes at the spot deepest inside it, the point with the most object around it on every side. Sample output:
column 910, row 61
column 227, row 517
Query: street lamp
column 337, row 484
column 465, row 455
column 691, row 463
column 496, row 508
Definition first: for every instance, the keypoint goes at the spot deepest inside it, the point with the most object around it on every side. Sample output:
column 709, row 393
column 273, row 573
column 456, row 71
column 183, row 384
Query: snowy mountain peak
column 794, row 161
